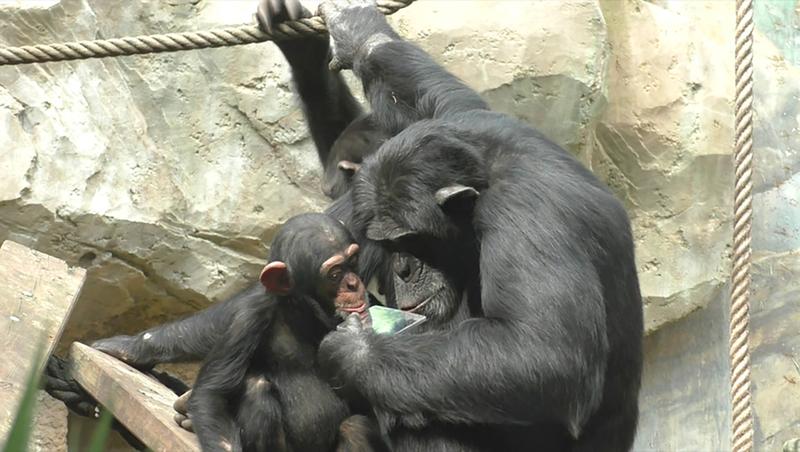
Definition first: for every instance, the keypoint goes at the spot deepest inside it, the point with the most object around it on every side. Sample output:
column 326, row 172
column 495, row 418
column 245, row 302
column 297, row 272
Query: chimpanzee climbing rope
column 173, row 42
column 741, row 410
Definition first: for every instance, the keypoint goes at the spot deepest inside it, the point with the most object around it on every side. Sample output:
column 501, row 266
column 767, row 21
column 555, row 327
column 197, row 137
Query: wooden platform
column 37, row 293
column 137, row 400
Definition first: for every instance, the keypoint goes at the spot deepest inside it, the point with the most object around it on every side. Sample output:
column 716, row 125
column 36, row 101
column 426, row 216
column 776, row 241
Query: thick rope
column 173, row 42
column 742, row 417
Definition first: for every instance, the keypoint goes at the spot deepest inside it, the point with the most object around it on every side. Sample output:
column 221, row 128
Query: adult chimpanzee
column 258, row 389
column 552, row 360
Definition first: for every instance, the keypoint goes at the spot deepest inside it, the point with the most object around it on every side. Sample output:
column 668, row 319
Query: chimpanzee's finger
column 277, row 12
column 353, row 323
column 68, row 396
column 57, row 384
column 187, row 425
column 294, row 9
column 76, row 402
column 263, row 16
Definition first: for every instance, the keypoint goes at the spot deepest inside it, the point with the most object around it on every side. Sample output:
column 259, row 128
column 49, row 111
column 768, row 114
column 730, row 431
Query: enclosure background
column 164, row 174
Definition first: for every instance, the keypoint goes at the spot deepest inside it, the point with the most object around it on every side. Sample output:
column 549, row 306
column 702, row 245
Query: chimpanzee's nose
column 404, row 266
column 352, row 283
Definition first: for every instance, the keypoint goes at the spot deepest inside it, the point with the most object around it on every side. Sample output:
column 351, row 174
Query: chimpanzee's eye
column 335, row 274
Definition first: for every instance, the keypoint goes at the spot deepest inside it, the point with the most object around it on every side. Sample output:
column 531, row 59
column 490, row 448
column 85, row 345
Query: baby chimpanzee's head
column 314, row 256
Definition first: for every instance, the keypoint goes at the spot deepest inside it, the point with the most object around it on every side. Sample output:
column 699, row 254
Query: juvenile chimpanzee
column 486, row 208
column 258, row 389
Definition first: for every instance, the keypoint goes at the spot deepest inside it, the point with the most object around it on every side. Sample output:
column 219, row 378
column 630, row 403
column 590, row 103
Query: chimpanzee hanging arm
column 328, row 104
column 397, row 75
column 342, row 132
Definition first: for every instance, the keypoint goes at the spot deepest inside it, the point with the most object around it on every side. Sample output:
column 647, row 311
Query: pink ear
column 275, row 277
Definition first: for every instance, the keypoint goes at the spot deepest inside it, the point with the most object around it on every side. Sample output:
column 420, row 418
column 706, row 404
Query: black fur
column 258, row 389
column 339, row 127
column 552, row 358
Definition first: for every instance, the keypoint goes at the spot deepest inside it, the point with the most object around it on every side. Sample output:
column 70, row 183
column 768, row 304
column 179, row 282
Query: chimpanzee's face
column 338, row 281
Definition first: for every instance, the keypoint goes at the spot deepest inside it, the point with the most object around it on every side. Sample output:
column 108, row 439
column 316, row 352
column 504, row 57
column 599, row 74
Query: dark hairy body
column 259, row 388
column 551, row 356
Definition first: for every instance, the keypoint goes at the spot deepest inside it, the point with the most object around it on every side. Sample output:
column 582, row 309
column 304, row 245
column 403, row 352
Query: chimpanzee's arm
column 328, row 104
column 188, row 339
column 402, row 83
column 223, row 373
column 538, row 354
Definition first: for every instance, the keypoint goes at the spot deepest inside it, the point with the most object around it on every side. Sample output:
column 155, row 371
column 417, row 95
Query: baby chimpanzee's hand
column 128, row 349
column 356, row 27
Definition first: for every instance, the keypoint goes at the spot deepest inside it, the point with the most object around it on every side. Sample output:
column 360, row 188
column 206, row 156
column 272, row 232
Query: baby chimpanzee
column 259, row 387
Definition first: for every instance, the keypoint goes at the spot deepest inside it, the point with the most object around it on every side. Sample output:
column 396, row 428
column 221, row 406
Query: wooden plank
column 140, row 402
column 37, row 293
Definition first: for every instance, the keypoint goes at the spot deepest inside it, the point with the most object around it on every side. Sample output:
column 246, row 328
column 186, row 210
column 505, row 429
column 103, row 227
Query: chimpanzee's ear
column 456, row 198
column 275, row 277
column 385, row 228
column 348, row 166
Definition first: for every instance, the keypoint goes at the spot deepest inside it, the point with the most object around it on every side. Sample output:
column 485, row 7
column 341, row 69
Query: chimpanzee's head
column 360, row 139
column 313, row 257
column 417, row 196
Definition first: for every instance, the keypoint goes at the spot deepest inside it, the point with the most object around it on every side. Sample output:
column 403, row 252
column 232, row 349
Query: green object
column 19, row 436
column 100, row 434
column 393, row 321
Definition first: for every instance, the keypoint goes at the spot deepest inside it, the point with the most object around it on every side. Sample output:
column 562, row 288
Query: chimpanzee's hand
column 352, row 324
column 58, row 382
column 128, row 349
column 273, row 12
column 344, row 352
column 355, row 27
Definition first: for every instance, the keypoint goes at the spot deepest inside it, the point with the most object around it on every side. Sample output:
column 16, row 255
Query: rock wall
column 685, row 401
column 164, row 175
column 776, row 224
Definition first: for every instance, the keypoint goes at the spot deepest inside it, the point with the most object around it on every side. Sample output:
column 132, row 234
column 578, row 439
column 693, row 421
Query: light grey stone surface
column 685, row 401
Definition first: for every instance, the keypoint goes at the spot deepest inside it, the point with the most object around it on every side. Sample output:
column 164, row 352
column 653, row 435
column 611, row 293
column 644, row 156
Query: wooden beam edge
column 138, row 401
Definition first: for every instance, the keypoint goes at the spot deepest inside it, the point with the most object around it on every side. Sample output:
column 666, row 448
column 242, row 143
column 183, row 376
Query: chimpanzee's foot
column 182, row 411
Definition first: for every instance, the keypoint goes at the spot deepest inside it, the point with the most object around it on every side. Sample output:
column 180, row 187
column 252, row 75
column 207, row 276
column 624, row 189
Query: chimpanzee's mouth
column 361, row 310
column 419, row 305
